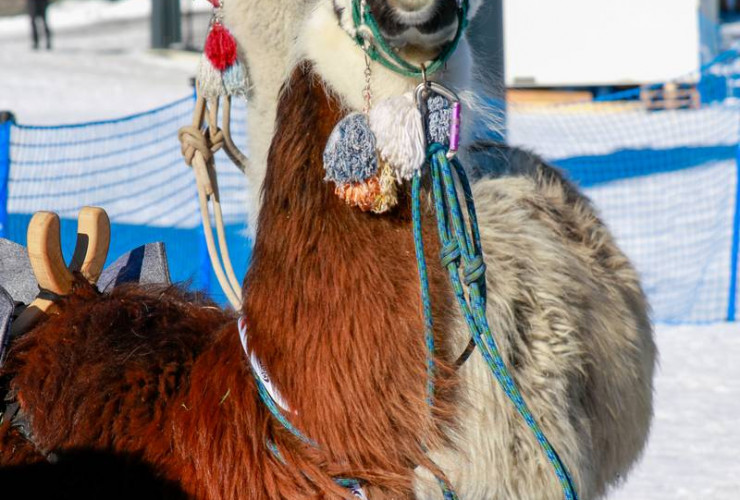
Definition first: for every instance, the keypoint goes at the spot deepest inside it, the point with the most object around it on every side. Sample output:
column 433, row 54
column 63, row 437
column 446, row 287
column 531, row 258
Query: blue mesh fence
column 131, row 167
column 664, row 181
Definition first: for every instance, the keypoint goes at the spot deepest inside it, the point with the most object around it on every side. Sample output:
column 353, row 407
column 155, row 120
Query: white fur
column 399, row 134
column 265, row 31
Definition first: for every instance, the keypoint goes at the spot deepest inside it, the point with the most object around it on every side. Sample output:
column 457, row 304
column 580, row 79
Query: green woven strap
column 379, row 50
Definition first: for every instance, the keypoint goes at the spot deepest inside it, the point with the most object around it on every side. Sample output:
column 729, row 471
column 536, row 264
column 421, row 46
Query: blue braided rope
column 425, row 295
column 462, row 253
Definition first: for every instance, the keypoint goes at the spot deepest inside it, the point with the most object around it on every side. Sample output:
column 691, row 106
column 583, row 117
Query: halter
column 368, row 36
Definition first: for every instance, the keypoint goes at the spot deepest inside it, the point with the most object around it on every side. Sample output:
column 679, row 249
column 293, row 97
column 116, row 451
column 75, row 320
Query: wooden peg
column 45, row 252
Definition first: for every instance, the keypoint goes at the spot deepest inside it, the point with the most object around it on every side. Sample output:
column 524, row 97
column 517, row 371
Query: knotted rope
column 462, row 254
column 198, row 146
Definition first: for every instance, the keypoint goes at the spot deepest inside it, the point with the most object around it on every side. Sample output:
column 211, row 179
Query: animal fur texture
column 265, row 31
column 333, row 310
column 566, row 305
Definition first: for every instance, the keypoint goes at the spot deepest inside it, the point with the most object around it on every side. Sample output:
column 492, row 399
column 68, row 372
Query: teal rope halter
column 368, row 36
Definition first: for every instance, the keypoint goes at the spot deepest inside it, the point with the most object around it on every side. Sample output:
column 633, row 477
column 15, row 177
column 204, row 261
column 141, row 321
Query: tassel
column 210, row 81
column 399, row 133
column 378, row 194
column 220, row 73
column 220, row 47
column 235, row 80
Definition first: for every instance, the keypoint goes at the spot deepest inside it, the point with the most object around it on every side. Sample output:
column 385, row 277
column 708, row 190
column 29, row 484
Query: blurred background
column 638, row 101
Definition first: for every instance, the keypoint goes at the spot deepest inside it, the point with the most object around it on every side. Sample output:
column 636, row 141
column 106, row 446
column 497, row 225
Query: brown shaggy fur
column 333, row 308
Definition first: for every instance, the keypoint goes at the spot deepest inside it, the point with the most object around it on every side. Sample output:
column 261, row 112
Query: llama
column 265, row 31
column 566, row 337
column 332, row 306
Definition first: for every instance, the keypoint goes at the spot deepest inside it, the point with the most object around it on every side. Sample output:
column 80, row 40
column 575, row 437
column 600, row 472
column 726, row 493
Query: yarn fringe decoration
column 439, row 120
column 377, row 195
column 220, row 73
column 397, row 125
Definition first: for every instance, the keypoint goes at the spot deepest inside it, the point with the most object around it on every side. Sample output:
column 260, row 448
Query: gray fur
column 571, row 321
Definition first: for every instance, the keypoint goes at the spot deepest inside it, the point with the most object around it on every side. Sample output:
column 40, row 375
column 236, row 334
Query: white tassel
column 210, row 80
column 399, row 133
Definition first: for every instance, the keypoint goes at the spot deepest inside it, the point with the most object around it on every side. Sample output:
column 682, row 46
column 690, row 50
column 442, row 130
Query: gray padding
column 145, row 265
column 16, row 275
column 6, row 314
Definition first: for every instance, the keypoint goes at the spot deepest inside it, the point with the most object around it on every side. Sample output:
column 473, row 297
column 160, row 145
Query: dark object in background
column 730, row 6
column 166, row 23
column 37, row 11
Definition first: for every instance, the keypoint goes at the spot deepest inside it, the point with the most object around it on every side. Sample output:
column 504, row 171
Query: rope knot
column 474, row 270
column 450, row 253
column 435, row 148
column 193, row 139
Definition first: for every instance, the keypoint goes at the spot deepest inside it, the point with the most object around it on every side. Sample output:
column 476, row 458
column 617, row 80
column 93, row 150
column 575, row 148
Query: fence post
column 6, row 122
column 732, row 302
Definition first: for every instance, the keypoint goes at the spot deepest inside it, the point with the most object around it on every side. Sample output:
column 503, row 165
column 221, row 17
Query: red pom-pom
column 215, row 3
column 220, row 47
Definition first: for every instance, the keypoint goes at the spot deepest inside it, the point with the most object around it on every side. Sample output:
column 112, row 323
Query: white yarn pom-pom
column 399, row 134
column 210, row 80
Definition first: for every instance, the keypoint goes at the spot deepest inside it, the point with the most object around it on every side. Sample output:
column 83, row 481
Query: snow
column 101, row 68
column 68, row 14
column 97, row 70
column 693, row 449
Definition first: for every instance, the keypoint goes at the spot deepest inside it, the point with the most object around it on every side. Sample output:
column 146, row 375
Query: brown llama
column 333, row 309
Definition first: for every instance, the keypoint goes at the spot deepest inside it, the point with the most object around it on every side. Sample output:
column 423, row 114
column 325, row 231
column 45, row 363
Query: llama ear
column 45, row 253
column 93, row 241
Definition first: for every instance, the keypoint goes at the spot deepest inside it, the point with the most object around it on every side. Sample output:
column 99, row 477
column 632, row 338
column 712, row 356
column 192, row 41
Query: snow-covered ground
column 693, row 449
column 101, row 68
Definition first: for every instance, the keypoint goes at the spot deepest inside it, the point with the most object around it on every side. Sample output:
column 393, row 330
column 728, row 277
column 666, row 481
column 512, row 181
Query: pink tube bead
column 455, row 127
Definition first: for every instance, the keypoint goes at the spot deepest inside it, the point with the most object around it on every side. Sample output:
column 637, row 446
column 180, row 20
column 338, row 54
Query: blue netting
column 664, row 181
column 131, row 167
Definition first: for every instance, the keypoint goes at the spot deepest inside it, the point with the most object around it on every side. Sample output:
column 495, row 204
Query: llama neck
column 332, row 298
column 266, row 31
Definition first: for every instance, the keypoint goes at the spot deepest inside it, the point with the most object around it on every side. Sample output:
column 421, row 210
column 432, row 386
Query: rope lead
column 462, row 253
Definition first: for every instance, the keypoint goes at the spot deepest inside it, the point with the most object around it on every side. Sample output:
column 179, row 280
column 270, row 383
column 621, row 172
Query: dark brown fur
column 333, row 308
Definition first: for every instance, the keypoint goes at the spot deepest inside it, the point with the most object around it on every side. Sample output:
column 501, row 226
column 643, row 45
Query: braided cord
column 462, row 253
column 380, row 51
